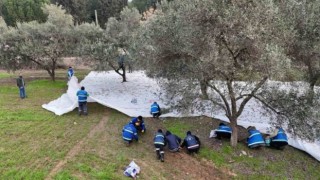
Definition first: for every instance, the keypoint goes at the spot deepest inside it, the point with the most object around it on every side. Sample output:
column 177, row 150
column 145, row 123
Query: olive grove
column 220, row 51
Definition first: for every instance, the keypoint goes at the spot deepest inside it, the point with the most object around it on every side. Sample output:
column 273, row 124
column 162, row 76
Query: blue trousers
column 83, row 108
column 22, row 92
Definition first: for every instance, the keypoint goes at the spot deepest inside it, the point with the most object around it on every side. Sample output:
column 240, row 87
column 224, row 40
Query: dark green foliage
column 141, row 5
column 15, row 11
column 83, row 10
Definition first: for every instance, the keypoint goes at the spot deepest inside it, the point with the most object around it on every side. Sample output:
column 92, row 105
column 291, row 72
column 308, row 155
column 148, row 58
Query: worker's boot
column 162, row 156
column 158, row 153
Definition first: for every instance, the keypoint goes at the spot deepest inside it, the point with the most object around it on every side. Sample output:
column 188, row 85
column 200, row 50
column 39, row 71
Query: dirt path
column 78, row 147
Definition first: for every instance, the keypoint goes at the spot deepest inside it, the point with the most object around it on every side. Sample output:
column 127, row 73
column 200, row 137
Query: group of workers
column 131, row 130
column 278, row 139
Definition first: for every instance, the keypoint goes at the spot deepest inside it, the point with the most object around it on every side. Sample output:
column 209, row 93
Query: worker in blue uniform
column 192, row 143
column 82, row 101
column 70, row 73
column 155, row 110
column 129, row 133
column 138, row 123
column 255, row 138
column 159, row 142
column 278, row 139
column 223, row 131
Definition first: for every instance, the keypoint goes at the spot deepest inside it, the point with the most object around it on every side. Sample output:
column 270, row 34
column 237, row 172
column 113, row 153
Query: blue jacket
column 255, row 137
column 173, row 141
column 191, row 142
column 155, row 108
column 70, row 72
column 134, row 120
column 129, row 132
column 280, row 137
column 82, row 96
column 224, row 129
column 159, row 139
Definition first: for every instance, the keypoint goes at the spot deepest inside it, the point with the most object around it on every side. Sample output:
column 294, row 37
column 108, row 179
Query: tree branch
column 249, row 96
column 226, row 104
column 219, row 104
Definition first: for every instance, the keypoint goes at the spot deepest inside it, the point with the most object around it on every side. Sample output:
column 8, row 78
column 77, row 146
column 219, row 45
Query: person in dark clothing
column 82, row 100
column 21, row 85
column 159, row 142
column 173, row 142
column 223, row 131
column 121, row 63
column 70, row 73
column 192, row 143
column 138, row 123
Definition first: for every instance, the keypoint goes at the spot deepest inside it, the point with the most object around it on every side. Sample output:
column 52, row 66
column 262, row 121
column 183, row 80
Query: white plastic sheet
column 135, row 97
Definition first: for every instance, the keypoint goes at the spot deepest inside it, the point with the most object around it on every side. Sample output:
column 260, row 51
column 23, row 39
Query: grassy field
column 36, row 144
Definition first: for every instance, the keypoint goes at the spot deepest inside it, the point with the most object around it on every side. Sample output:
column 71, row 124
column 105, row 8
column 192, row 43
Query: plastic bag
column 132, row 170
column 212, row 134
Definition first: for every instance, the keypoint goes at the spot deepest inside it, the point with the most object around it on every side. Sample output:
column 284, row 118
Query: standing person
column 159, row 142
column 138, row 123
column 121, row 62
column 129, row 133
column 255, row 139
column 82, row 100
column 21, row 85
column 192, row 143
column 223, row 131
column 70, row 73
column 155, row 110
column 173, row 142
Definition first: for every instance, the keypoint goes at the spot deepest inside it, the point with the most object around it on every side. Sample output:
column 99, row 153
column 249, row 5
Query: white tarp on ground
column 134, row 98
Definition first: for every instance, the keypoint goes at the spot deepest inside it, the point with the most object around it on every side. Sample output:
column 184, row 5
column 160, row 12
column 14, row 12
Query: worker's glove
column 142, row 131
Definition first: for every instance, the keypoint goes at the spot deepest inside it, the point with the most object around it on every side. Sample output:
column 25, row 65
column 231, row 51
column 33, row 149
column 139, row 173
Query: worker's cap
column 188, row 132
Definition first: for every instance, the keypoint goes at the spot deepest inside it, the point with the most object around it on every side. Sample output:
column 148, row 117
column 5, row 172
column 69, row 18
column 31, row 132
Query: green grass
column 177, row 127
column 34, row 140
column 5, row 75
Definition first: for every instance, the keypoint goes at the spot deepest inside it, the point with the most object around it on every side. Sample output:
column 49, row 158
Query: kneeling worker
column 159, row 142
column 192, row 143
column 223, row 131
column 129, row 133
column 155, row 110
column 173, row 142
column 255, row 138
column 138, row 123
column 278, row 139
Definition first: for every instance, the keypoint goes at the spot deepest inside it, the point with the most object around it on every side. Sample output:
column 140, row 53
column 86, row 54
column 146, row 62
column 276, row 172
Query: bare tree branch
column 246, row 100
column 226, row 104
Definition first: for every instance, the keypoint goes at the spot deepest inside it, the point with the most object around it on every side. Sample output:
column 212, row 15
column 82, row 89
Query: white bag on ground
column 212, row 134
column 132, row 170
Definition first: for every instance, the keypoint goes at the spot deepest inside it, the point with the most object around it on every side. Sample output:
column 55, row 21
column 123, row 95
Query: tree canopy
column 14, row 11
column 83, row 10
column 42, row 44
column 206, row 41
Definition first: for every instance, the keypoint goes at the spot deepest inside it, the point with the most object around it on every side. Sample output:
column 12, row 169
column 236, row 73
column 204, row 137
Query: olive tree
column 104, row 47
column 210, row 46
column 43, row 44
column 304, row 46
